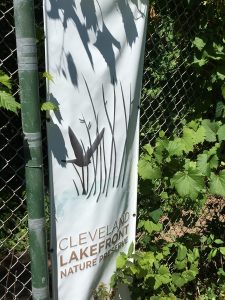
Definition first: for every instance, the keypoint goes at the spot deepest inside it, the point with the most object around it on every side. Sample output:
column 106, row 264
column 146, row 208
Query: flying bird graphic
column 83, row 158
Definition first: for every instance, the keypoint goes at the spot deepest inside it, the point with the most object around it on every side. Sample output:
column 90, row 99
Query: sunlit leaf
column 46, row 106
column 199, row 43
column 5, row 80
column 203, row 165
column 147, row 171
column 221, row 133
column 120, row 261
column 7, row 101
column 48, row 76
column 188, row 183
column 211, row 129
column 217, row 183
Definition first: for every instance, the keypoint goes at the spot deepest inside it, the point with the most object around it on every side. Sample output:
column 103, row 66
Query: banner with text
column 94, row 53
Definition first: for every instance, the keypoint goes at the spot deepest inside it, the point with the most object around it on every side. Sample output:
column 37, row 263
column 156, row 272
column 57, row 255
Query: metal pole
column 31, row 122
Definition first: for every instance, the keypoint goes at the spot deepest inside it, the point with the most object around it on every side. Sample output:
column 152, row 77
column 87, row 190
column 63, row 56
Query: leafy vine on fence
column 8, row 101
column 180, row 172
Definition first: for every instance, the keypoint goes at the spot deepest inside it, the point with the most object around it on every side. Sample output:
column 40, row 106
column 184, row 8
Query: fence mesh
column 169, row 90
column 15, row 276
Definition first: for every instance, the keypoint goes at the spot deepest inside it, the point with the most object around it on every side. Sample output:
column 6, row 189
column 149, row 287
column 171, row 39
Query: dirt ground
column 189, row 222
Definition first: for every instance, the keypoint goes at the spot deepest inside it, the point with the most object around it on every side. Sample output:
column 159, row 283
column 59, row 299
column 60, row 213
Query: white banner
column 94, row 51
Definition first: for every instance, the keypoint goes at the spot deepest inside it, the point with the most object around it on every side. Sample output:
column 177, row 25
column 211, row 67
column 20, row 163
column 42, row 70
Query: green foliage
column 18, row 241
column 46, row 106
column 102, row 292
column 208, row 57
column 178, row 173
column 151, row 277
column 48, row 76
column 161, row 72
column 217, row 183
column 5, row 80
column 7, row 100
column 188, row 166
column 150, row 226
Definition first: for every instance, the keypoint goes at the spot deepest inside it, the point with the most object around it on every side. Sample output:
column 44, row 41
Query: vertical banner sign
column 94, row 52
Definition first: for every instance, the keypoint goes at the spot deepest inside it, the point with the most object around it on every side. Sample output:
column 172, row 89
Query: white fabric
column 94, row 51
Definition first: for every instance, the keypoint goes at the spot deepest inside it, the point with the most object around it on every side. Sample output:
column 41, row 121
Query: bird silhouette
column 83, row 158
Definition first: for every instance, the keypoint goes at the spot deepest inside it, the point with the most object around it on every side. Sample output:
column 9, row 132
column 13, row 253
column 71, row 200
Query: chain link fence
column 15, row 275
column 169, row 91
column 171, row 95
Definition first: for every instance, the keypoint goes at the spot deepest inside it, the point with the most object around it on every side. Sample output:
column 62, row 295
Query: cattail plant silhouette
column 98, row 170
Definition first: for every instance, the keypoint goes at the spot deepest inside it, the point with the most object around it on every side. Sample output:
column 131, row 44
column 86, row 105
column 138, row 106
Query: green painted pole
column 31, row 123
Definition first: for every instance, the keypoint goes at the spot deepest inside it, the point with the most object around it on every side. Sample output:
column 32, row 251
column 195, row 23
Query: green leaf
column 221, row 133
column 222, row 250
column 161, row 133
column 166, row 250
column 203, row 165
column 196, row 253
column 187, row 139
column 175, row 147
column 7, row 101
column 161, row 279
column 48, row 76
column 223, row 90
column 214, row 162
column 164, row 195
column 213, row 159
column 120, row 262
column 193, row 125
column 159, row 256
column 217, row 184
column 221, row 272
column 147, row 260
column 178, row 280
column 5, row 80
column 218, row 48
column 156, row 214
column 212, row 254
column 113, row 281
column 163, row 270
column 46, row 106
column 193, row 255
column 188, row 183
column 191, row 137
column 213, row 150
column 148, row 148
column 160, row 149
column 220, row 76
column 189, row 164
column 134, row 269
column 180, row 265
column 199, row 135
column 211, row 129
column 199, row 43
column 182, row 252
column 200, row 62
column 150, row 227
column 131, row 249
column 147, row 171
column 218, row 242
column 220, row 109
column 189, row 275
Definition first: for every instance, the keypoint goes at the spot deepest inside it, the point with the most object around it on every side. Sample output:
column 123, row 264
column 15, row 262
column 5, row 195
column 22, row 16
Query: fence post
column 31, row 123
